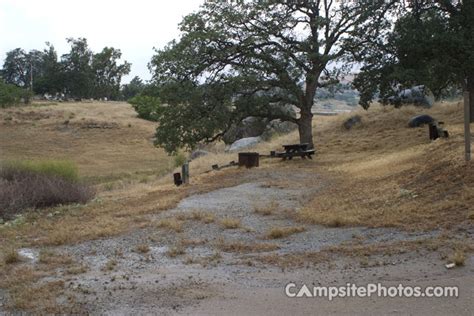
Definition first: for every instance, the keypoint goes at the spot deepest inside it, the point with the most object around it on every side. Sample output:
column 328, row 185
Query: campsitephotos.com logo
column 372, row 289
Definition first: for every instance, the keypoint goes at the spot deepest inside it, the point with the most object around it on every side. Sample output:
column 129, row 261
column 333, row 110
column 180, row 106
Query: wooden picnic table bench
column 293, row 150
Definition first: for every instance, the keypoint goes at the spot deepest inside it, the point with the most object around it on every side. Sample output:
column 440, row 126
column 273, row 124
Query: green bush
column 59, row 168
column 11, row 95
column 179, row 159
column 147, row 107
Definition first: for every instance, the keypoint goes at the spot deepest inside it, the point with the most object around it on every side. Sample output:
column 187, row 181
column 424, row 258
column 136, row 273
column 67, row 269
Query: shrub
column 38, row 187
column 11, row 95
column 147, row 107
column 58, row 168
column 11, row 256
column 179, row 159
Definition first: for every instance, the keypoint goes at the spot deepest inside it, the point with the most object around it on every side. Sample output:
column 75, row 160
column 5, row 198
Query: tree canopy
column 255, row 58
column 432, row 44
column 80, row 73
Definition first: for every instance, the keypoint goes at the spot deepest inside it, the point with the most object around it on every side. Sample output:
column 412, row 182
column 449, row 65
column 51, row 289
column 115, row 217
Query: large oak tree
column 255, row 58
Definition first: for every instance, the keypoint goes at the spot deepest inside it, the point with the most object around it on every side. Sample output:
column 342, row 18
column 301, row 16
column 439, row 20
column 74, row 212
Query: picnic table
column 293, row 150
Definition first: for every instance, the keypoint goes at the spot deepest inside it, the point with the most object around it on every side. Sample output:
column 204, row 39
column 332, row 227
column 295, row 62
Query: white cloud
column 133, row 26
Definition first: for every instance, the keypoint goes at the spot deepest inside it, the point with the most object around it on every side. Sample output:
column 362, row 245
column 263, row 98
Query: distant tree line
column 80, row 73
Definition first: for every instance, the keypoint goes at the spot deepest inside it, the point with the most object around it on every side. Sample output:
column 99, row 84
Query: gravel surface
column 122, row 280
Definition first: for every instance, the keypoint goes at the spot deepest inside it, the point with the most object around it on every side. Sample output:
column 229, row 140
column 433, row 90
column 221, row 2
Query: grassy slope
column 121, row 147
column 380, row 173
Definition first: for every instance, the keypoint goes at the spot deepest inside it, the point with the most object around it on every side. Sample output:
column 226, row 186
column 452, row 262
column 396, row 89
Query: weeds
column 110, row 265
column 282, row 232
column 11, row 256
column 176, row 250
column 458, row 258
column 230, row 223
column 171, row 224
column 142, row 248
column 29, row 185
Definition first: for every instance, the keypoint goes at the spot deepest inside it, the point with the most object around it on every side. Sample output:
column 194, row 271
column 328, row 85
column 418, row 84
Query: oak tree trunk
column 305, row 128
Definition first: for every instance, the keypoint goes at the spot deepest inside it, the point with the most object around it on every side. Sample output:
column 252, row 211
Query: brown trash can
column 249, row 160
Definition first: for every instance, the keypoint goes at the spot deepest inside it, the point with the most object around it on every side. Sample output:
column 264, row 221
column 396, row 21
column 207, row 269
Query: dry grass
column 230, row 223
column 458, row 258
column 197, row 215
column 53, row 259
column 378, row 174
column 110, row 265
column 108, row 148
column 282, row 232
column 11, row 256
column 176, row 250
column 387, row 175
column 28, row 294
column 241, row 247
column 192, row 242
column 267, row 209
column 75, row 270
column 142, row 248
column 171, row 224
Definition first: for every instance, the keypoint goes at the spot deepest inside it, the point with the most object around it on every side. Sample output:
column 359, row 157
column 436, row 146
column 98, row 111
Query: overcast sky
column 134, row 26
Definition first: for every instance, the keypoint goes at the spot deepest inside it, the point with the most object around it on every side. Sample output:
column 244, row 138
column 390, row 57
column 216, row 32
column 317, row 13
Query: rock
column 420, row 120
column 248, row 127
column 244, row 143
column 282, row 127
column 450, row 265
column 198, row 153
column 417, row 95
column 252, row 126
column 352, row 121
column 278, row 127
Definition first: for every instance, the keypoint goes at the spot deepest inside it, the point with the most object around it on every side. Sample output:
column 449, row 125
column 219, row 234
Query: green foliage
column 431, row 44
column 79, row 73
column 11, row 95
column 179, row 159
column 108, row 73
column 59, row 168
column 252, row 58
column 147, row 107
column 133, row 88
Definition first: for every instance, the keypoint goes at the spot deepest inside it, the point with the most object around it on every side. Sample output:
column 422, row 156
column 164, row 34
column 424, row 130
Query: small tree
column 254, row 58
column 11, row 95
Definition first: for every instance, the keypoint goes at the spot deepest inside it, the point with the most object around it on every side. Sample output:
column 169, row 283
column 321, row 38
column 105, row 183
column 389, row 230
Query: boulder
column 248, row 127
column 244, row 143
column 420, row 120
column 282, row 127
column 278, row 127
column 417, row 95
column 352, row 121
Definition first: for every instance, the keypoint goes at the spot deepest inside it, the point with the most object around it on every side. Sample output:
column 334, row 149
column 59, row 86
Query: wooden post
column 467, row 127
column 185, row 172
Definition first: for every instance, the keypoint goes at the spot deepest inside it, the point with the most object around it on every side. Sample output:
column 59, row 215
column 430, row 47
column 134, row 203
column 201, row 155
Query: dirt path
column 190, row 263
